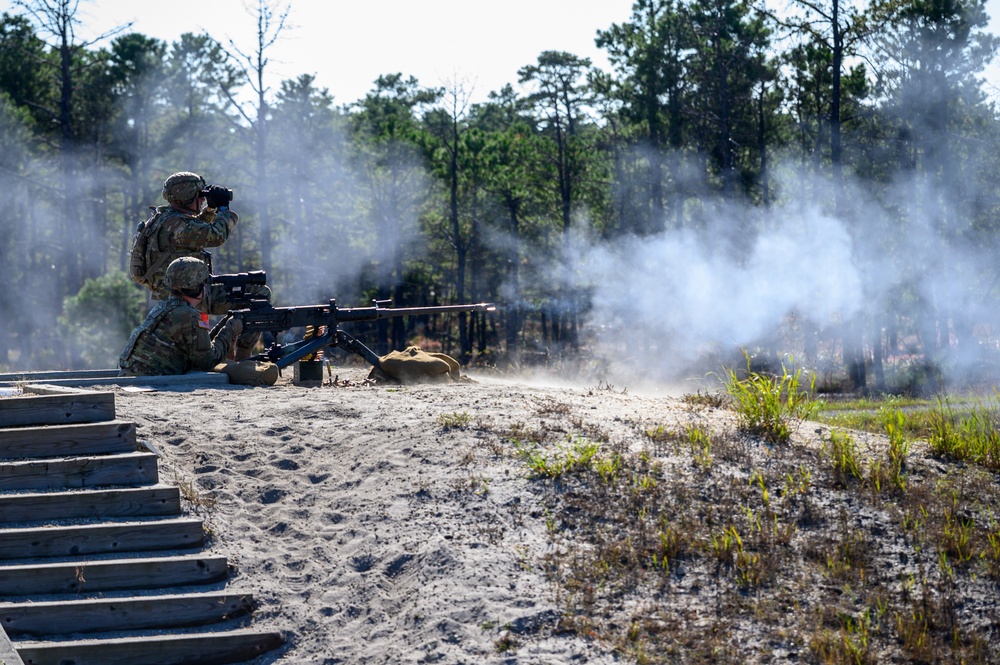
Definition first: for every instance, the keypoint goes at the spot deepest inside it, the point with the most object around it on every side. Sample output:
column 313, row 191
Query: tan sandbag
column 414, row 365
column 249, row 372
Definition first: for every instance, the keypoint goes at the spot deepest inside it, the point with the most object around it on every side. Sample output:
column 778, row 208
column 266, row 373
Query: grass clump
column 580, row 454
column 765, row 404
column 845, row 457
column 972, row 436
column 454, row 420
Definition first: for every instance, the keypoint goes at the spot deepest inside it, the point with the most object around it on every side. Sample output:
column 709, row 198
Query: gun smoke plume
column 675, row 305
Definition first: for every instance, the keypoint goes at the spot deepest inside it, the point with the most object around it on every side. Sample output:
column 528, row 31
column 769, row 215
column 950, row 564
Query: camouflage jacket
column 181, row 233
column 173, row 339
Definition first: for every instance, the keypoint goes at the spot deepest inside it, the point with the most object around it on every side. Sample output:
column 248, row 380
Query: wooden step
column 234, row 646
column 100, row 615
column 115, row 436
column 8, row 654
column 113, row 575
column 47, row 381
column 59, row 409
column 155, row 501
column 43, row 375
column 59, row 541
column 138, row 468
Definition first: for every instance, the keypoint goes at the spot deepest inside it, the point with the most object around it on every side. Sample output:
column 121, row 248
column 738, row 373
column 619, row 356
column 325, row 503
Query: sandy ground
column 368, row 529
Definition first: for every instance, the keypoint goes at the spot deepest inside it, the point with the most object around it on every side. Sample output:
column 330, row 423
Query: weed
column 848, row 558
column 766, row 405
column 725, row 545
column 608, row 467
column 660, row 434
column 701, row 447
column 672, row 544
column 199, row 500
column 991, row 553
column 957, row 531
column 603, row 386
column 549, row 406
column 713, row 400
column 798, row 484
column 899, row 449
column 643, row 482
column 506, row 643
column 479, row 484
column 454, row 420
column 972, row 436
column 520, row 432
column 845, row 456
column 914, row 634
column 577, row 456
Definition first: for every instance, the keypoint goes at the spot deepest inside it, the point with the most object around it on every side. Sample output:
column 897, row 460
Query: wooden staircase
column 98, row 565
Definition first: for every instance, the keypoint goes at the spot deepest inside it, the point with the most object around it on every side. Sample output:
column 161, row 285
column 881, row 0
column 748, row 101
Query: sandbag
column 414, row 365
column 249, row 372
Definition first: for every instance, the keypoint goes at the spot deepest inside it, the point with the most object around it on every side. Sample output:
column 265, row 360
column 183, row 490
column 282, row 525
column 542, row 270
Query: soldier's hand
column 235, row 325
column 216, row 196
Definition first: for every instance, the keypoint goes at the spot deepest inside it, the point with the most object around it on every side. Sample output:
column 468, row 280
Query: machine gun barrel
column 379, row 312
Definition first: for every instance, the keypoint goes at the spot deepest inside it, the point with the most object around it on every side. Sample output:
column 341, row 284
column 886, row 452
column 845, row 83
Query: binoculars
column 228, row 194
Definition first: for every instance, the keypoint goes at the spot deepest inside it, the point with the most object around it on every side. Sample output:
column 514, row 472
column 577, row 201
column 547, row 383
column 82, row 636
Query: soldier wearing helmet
column 197, row 217
column 174, row 338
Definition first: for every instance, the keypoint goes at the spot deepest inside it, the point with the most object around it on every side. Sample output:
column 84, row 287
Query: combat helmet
column 181, row 188
column 186, row 274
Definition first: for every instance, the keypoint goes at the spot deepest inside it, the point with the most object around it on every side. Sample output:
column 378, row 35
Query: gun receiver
column 261, row 316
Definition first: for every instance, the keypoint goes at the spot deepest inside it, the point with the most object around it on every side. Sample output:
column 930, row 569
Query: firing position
column 174, row 338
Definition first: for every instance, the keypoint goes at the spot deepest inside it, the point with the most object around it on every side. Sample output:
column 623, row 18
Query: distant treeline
column 714, row 113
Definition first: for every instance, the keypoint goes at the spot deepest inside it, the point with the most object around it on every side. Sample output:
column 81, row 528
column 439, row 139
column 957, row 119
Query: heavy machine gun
column 325, row 320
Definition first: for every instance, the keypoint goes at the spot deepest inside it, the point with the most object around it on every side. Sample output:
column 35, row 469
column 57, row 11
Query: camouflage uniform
column 181, row 233
column 173, row 340
column 185, row 233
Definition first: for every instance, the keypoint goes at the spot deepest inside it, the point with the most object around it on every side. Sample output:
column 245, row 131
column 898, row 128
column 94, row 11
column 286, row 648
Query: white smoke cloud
column 664, row 305
column 683, row 293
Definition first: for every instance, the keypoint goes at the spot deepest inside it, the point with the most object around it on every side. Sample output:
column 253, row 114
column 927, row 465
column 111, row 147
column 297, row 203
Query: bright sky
column 346, row 44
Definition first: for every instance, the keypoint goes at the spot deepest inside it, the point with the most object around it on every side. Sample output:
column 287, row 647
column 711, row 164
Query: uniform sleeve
column 203, row 353
column 196, row 233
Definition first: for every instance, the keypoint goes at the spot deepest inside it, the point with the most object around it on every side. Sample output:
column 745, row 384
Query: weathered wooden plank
column 42, row 375
column 44, row 389
column 114, row 575
column 191, row 649
column 116, row 436
column 190, row 379
column 8, row 655
column 76, row 407
column 121, row 502
column 78, row 540
column 138, row 468
column 101, row 615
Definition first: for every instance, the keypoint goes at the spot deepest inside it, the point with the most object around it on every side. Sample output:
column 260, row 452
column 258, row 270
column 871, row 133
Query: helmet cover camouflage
column 183, row 187
column 185, row 273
